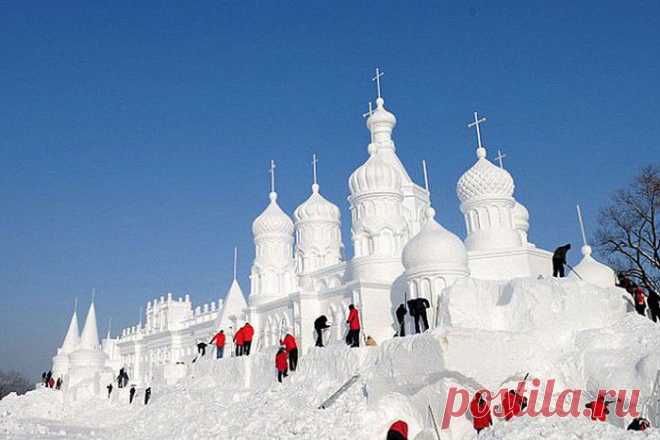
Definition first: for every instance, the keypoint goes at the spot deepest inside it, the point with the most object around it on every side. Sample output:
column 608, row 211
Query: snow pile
column 490, row 335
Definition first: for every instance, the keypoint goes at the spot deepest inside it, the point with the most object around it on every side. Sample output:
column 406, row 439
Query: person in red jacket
column 248, row 334
column 480, row 411
column 640, row 300
column 291, row 348
column 219, row 340
column 398, row 431
column 239, row 341
column 598, row 408
column 512, row 404
column 281, row 364
column 353, row 321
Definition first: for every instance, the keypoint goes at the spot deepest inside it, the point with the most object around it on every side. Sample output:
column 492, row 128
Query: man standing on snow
column 480, row 411
column 219, row 340
column 109, row 387
column 559, row 260
column 291, row 348
column 131, row 394
column 239, row 341
column 401, row 313
column 320, row 324
column 248, row 334
column 653, row 301
column 353, row 321
column 281, row 364
column 201, row 348
column 147, row 395
column 640, row 300
column 417, row 307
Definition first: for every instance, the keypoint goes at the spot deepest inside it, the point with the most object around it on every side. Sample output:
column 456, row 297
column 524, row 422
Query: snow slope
column 490, row 335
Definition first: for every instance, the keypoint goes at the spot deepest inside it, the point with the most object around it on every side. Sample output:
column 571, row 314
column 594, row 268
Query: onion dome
column 520, row 217
column 273, row 220
column 316, row 208
column 375, row 175
column 381, row 117
column 593, row 271
column 484, row 180
column 435, row 247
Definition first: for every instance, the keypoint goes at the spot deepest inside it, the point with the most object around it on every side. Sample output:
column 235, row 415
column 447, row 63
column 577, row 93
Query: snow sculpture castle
column 299, row 271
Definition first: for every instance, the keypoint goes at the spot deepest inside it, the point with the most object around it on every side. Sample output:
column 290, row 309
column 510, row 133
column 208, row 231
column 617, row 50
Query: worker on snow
column 598, row 407
column 398, row 431
column 353, row 321
column 513, row 404
column 248, row 334
column 320, row 324
column 147, row 395
column 58, row 383
column 480, row 411
column 640, row 300
column 291, row 348
column 109, row 387
column 239, row 341
column 201, row 348
column 417, row 307
column 219, row 340
column 281, row 364
column 653, row 301
column 559, row 260
column 131, row 394
column 401, row 313
column 639, row 424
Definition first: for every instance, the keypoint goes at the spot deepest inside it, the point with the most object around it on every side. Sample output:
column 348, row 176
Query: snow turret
column 318, row 232
column 273, row 271
column 70, row 344
column 89, row 338
column 88, row 360
column 521, row 220
column 486, row 195
column 233, row 308
column 593, row 271
column 381, row 124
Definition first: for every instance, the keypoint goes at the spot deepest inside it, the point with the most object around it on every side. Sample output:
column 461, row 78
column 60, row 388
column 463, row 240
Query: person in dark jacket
column 131, row 394
column 49, row 375
column 401, row 313
column 58, row 383
column 147, row 395
column 43, row 378
column 653, row 302
column 320, row 324
column 109, row 387
column 201, row 348
column 417, row 308
column 398, row 431
column 559, row 260
column 639, row 424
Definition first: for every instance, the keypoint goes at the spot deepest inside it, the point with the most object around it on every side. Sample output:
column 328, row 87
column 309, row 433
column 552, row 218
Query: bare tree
column 628, row 235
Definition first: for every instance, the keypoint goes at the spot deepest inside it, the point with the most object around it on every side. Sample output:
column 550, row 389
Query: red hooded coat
column 281, row 361
column 248, row 333
column 219, row 339
column 481, row 417
column 289, row 342
column 354, row 320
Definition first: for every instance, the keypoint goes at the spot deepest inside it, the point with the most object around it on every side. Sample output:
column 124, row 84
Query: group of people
column 122, row 382
column 417, row 308
column 122, row 378
column 286, row 358
column 640, row 299
column 49, row 381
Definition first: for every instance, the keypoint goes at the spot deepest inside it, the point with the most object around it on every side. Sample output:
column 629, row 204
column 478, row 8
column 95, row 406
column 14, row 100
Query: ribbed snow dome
column 381, row 116
column 316, row 207
column 593, row 271
column 434, row 246
column 484, row 180
column 520, row 217
column 375, row 175
column 273, row 220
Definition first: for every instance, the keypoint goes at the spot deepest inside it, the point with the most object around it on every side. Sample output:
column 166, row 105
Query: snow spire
column 89, row 339
column 72, row 338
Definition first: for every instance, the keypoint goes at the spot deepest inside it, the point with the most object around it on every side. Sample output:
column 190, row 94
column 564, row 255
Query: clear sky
column 135, row 137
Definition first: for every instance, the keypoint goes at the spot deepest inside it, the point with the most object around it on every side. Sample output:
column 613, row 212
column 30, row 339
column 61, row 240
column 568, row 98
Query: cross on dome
column 376, row 78
column 272, row 177
column 370, row 112
column 315, row 185
column 476, row 124
column 499, row 158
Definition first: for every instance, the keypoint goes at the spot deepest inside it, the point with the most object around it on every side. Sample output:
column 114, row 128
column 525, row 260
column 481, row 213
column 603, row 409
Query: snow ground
column 491, row 334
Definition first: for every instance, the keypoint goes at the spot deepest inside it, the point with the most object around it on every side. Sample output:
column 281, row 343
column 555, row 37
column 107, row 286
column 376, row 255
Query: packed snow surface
column 489, row 335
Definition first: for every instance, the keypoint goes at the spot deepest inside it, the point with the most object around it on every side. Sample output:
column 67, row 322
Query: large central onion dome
column 273, row 220
column 434, row 247
column 375, row 175
column 317, row 208
column 484, row 180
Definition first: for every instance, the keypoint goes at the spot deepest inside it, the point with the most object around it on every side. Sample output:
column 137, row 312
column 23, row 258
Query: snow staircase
column 330, row 400
column 652, row 406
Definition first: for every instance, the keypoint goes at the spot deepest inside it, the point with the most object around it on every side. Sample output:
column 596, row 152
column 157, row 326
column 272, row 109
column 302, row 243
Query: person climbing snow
column 219, row 340
column 131, row 394
column 353, row 321
column 248, row 334
column 147, row 395
column 239, row 341
column 398, row 431
column 320, row 324
column 513, row 404
column 639, row 424
column 281, row 364
column 291, row 348
column 640, row 300
column 201, row 348
column 58, row 383
column 653, row 302
column 401, row 313
column 598, row 407
column 109, row 387
column 480, row 411
column 417, row 307
column 559, row 260
column 49, row 376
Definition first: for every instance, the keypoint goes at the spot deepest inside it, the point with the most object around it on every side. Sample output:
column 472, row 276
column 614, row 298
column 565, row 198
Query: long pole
column 435, row 424
column 584, row 236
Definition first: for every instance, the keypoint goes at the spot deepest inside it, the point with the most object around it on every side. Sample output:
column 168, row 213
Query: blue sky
column 135, row 139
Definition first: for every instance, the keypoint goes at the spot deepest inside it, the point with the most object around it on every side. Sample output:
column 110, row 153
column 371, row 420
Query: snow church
column 299, row 273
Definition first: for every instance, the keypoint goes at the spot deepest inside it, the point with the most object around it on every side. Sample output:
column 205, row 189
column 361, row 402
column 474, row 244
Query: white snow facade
column 400, row 252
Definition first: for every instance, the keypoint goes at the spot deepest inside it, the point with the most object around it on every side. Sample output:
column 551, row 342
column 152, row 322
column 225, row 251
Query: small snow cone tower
column 70, row 344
